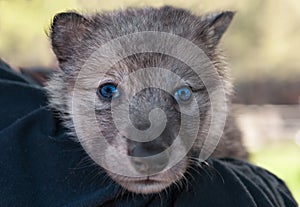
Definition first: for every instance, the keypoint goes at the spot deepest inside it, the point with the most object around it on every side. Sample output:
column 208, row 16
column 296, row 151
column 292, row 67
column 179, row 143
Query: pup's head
column 139, row 111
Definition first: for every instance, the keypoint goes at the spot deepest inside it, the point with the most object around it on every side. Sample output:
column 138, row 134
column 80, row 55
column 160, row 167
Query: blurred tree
column 263, row 39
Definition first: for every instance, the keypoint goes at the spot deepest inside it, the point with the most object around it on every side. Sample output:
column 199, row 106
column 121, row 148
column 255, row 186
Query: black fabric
column 40, row 166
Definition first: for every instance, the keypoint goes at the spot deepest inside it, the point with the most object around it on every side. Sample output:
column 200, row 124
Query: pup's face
column 142, row 116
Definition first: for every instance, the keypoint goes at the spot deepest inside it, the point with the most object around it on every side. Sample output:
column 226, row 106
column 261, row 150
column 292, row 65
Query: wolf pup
column 76, row 39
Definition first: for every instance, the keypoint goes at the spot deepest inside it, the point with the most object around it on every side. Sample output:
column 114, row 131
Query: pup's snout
column 148, row 159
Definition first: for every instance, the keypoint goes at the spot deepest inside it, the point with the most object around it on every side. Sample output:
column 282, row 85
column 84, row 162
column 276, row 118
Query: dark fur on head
column 75, row 37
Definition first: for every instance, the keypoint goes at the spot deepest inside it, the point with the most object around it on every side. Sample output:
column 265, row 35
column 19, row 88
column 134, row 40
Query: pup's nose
column 148, row 160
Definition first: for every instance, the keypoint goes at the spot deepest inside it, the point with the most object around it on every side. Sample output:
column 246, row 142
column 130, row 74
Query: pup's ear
column 67, row 30
column 215, row 26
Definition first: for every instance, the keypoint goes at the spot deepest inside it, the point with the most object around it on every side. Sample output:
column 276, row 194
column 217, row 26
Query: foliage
column 263, row 39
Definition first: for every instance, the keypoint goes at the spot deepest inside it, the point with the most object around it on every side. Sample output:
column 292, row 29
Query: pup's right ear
column 67, row 30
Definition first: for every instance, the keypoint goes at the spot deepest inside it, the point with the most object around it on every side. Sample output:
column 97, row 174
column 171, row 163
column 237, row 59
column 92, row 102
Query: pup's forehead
column 156, row 68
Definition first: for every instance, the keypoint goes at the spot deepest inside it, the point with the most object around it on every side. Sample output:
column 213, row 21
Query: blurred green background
column 263, row 42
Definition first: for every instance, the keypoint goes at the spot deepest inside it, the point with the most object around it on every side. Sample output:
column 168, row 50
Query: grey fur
column 75, row 37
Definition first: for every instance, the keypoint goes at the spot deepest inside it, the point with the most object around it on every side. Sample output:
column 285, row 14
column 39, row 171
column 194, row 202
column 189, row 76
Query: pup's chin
column 153, row 183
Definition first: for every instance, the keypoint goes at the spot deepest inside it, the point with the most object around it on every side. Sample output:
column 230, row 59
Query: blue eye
column 183, row 94
column 108, row 91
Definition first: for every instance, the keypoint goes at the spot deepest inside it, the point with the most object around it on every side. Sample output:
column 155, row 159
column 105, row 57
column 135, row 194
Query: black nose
column 149, row 159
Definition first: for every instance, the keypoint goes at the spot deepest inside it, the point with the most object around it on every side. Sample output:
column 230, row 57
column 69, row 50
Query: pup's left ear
column 215, row 26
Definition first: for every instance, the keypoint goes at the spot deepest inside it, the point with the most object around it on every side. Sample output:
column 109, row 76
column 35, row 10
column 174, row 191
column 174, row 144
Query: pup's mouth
column 147, row 185
column 148, row 181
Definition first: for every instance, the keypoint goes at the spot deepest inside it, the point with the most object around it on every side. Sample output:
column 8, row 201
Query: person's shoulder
column 19, row 97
